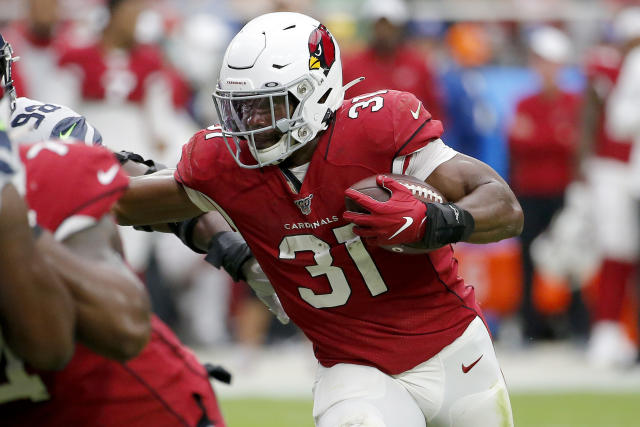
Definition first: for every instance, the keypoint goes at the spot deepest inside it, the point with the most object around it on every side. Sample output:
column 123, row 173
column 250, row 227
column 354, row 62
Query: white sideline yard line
column 287, row 371
column 562, row 367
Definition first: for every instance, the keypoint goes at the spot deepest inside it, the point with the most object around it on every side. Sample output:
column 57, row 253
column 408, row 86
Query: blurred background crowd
column 536, row 89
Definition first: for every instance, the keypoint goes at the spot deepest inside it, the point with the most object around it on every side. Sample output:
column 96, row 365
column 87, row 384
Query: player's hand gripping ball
column 389, row 210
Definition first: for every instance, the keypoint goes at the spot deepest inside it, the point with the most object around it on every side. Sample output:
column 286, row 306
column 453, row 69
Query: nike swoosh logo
column 408, row 222
column 416, row 113
column 66, row 134
column 466, row 369
column 107, row 177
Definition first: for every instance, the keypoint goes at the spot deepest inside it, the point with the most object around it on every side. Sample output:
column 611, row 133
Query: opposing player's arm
column 207, row 233
column 112, row 305
column 475, row 187
column 153, row 199
column 36, row 310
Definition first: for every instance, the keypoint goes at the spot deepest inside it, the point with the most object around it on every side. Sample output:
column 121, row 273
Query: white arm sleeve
column 623, row 106
column 425, row 160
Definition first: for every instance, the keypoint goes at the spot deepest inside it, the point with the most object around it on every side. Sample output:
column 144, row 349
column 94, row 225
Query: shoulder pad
column 34, row 121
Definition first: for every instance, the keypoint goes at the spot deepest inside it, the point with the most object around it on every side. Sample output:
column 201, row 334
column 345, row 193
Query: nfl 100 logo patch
column 304, row 204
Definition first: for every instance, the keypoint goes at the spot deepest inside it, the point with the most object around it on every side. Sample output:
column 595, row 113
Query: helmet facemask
column 282, row 115
column 6, row 59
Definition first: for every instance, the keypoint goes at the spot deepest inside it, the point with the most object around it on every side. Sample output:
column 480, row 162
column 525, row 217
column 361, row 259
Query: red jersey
column 164, row 385
column 122, row 76
column 39, row 56
column 405, row 70
column 357, row 303
column 542, row 144
column 602, row 70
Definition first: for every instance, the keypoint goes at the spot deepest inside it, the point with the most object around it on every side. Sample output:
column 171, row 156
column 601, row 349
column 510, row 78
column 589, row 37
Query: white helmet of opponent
column 279, row 57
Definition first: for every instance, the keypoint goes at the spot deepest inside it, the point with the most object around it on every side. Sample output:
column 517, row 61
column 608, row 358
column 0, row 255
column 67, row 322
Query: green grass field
column 529, row 410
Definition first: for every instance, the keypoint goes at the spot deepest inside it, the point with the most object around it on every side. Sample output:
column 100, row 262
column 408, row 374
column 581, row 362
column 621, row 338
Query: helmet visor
column 244, row 114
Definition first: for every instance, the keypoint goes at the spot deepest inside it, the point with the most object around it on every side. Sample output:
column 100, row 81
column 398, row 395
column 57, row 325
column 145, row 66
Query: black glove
column 124, row 156
column 228, row 249
column 218, row 372
column 446, row 223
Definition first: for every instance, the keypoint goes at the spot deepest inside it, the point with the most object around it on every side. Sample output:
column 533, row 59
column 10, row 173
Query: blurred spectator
column 41, row 37
column 128, row 90
column 135, row 100
column 388, row 62
column 542, row 143
column 466, row 106
column 138, row 102
column 196, row 50
column 614, row 99
column 623, row 121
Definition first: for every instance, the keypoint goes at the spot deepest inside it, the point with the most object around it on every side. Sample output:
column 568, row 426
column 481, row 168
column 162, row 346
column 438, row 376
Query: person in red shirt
column 41, row 37
column 389, row 62
column 399, row 338
column 133, row 97
column 542, row 144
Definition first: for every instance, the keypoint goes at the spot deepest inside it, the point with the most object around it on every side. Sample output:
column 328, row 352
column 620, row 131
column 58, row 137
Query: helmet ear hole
column 293, row 101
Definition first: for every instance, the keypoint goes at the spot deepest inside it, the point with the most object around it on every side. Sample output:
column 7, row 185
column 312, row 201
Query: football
column 420, row 189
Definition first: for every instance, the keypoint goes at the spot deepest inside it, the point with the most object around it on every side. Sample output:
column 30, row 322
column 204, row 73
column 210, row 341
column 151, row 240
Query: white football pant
column 617, row 214
column 461, row 386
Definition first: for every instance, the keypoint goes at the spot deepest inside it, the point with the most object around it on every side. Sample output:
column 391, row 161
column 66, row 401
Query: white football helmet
column 287, row 66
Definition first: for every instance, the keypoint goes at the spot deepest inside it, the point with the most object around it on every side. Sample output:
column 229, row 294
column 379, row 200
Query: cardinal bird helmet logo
column 322, row 50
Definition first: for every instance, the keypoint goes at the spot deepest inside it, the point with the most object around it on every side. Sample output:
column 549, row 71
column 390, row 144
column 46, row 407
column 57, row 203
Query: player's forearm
column 495, row 210
column 36, row 310
column 153, row 199
column 208, row 225
column 38, row 320
column 112, row 305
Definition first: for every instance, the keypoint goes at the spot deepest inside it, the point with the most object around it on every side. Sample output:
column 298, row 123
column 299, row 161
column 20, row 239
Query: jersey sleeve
column 413, row 125
column 195, row 167
column 70, row 186
column 34, row 121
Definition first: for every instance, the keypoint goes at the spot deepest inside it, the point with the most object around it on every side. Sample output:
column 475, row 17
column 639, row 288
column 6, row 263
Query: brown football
column 420, row 189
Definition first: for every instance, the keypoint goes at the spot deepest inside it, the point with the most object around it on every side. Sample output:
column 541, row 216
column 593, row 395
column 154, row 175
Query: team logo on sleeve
column 304, row 204
column 322, row 49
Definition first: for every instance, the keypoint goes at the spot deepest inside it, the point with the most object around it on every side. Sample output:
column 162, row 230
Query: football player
column 607, row 166
column 70, row 189
column 208, row 234
column 36, row 311
column 399, row 338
